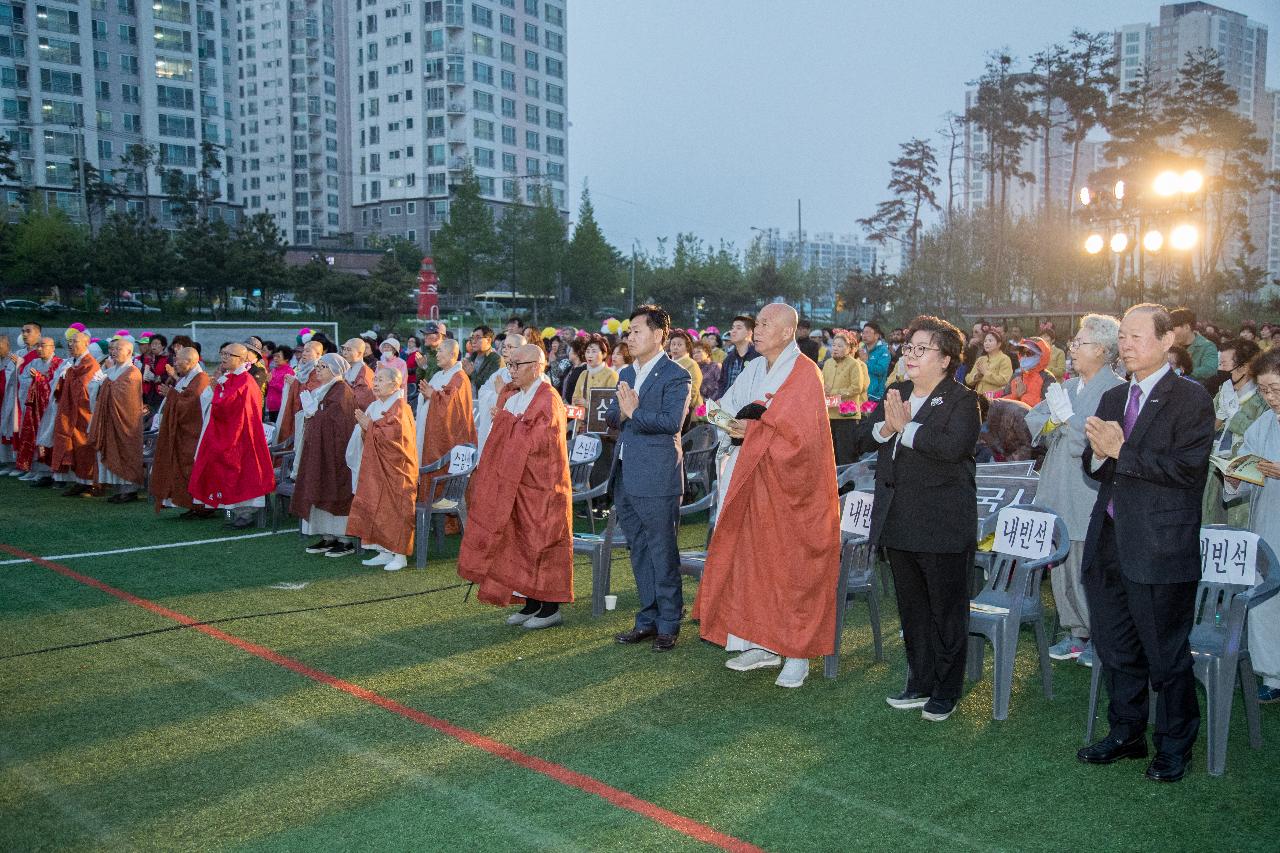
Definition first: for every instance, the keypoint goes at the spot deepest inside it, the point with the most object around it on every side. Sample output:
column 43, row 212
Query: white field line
column 150, row 547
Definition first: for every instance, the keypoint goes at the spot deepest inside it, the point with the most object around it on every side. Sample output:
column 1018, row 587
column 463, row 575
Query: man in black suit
column 1149, row 446
column 648, row 474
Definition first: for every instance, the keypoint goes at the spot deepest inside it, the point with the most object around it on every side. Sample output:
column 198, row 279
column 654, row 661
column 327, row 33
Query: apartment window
column 60, row 50
column 435, row 127
column 508, row 135
column 483, row 101
column 555, row 171
column 103, row 89
column 128, row 34
column 508, row 162
column 531, row 60
column 58, row 20
column 531, row 87
column 554, row 15
column 101, row 59
column 132, row 123
column 482, row 45
column 484, row 157
column 507, row 24
column 531, row 7
column 481, row 16
column 435, row 155
column 555, row 68
column 555, row 120
column 531, row 33
column 483, row 129
column 532, row 166
column 104, row 120
column 531, row 140
column 434, row 41
column 130, row 94
column 555, row 94
column 532, row 114
column 59, row 144
column 104, row 151
column 173, row 97
column 508, row 108
column 434, row 98
column 482, row 73
column 509, row 188
column 508, row 80
column 434, row 11
column 57, row 82
column 171, row 39
column 553, row 41
column 174, row 69
column 555, row 145
column 436, row 184
column 99, row 29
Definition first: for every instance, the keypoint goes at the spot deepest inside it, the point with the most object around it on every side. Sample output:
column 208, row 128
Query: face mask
column 1029, row 362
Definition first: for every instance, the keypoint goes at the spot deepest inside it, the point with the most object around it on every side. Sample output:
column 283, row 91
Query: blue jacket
column 650, row 438
column 878, row 367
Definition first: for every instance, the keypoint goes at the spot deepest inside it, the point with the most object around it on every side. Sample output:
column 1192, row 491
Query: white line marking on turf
column 151, row 547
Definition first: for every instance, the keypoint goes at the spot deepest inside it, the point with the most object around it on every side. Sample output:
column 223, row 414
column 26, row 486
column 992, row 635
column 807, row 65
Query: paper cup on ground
column 611, row 602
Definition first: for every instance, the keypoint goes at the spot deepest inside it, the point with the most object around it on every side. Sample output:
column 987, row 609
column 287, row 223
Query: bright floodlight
column 1093, row 244
column 1119, row 190
column 1153, row 241
column 1085, row 197
column 1119, row 242
column 1191, row 181
column 1167, row 183
column 1183, row 237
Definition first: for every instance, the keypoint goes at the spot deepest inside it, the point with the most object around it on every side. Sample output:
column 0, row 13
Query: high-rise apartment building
column 292, row 113
column 842, row 253
column 439, row 85
column 100, row 76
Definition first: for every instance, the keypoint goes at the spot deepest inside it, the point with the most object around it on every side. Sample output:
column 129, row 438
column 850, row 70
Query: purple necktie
column 1130, row 418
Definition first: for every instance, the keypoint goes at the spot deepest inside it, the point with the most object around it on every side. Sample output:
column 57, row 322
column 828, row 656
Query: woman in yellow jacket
column 678, row 350
column 598, row 373
column 844, row 376
column 993, row 369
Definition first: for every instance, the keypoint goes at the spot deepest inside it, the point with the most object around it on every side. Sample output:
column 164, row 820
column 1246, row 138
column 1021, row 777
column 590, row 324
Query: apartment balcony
column 457, row 138
column 456, row 108
column 457, row 164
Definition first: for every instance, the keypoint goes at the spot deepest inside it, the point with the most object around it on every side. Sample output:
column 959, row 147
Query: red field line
column 686, row 826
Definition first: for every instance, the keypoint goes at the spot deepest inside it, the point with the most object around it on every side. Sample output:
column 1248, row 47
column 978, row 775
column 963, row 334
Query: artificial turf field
column 178, row 739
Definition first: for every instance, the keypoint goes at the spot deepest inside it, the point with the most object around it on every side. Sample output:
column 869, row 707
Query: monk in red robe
column 322, row 488
column 181, row 420
column 116, row 428
column 13, row 367
column 34, row 387
column 294, row 385
column 519, row 535
column 445, row 416
column 383, row 459
column 358, row 374
column 768, row 588
column 72, row 457
column 233, row 466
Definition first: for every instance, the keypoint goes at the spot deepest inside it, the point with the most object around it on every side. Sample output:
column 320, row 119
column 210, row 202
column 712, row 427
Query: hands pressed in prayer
column 1105, row 437
column 164, row 390
column 897, row 413
column 426, row 389
column 168, row 368
column 628, row 399
column 363, row 419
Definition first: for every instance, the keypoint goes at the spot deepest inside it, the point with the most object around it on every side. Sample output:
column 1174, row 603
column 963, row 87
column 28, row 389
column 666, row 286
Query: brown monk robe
column 519, row 536
column 322, row 489
column 384, row 465
column 358, row 375
column 115, row 430
column 181, row 418
column 445, row 417
column 72, row 458
column 293, row 388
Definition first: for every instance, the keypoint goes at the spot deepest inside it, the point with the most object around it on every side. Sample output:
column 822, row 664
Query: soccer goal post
column 211, row 334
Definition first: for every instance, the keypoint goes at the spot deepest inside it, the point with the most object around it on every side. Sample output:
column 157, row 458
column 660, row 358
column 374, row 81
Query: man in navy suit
column 1149, row 446
column 648, row 474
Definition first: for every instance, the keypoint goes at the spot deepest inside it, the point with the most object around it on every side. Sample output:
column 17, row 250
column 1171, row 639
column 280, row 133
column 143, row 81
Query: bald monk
column 768, row 588
column 519, row 535
column 233, row 466
column 384, row 474
column 358, row 374
column 322, row 491
column 35, row 384
column 445, row 417
column 72, row 457
column 182, row 415
column 294, row 385
column 115, row 431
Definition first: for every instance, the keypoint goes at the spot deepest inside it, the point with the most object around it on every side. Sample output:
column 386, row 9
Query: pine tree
column 912, row 179
column 464, row 250
column 590, row 262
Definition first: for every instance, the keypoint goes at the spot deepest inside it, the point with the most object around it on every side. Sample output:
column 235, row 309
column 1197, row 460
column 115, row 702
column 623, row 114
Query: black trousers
column 933, row 603
column 1141, row 633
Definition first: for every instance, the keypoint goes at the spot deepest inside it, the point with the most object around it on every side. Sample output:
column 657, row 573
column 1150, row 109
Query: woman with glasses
column 1064, row 487
column 925, row 512
column 1236, row 404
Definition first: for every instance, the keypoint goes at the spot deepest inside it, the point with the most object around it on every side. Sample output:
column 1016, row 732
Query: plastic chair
column 857, row 578
column 1014, row 585
column 694, row 560
column 282, row 495
column 448, row 497
column 149, row 438
column 1220, row 655
column 699, row 469
column 580, row 477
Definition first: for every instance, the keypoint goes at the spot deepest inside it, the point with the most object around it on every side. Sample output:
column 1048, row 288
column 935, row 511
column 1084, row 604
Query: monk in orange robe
column 72, row 457
column 383, row 459
column 445, row 417
column 519, row 536
column 294, row 385
column 115, row 430
column 768, row 589
column 181, row 420
column 359, row 376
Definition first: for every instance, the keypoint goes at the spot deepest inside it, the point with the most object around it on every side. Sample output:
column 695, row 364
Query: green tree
column 47, row 251
column 546, row 242
column 131, row 253
column 1091, row 79
column 912, row 179
column 512, row 239
column 1001, row 113
column 590, row 262
column 205, row 262
column 466, row 247
column 386, row 292
column 256, row 258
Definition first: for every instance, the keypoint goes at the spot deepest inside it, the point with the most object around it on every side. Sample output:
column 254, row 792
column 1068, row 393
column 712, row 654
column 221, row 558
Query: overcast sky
column 713, row 116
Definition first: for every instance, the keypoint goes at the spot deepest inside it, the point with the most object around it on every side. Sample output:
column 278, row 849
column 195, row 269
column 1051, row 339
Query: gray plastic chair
column 1220, row 653
column 448, row 497
column 1014, row 585
column 857, row 579
column 699, row 469
column 694, row 560
column 282, row 495
column 580, row 476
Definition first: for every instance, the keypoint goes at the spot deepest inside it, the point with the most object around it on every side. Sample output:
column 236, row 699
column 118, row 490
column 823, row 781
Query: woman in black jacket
column 925, row 512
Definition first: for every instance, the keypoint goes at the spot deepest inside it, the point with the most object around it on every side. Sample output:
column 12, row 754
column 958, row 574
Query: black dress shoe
column 664, row 642
column 75, row 489
column 1109, row 750
column 636, row 635
column 1168, row 767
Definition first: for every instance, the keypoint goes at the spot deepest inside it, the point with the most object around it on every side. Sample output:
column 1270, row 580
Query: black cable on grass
column 223, row 619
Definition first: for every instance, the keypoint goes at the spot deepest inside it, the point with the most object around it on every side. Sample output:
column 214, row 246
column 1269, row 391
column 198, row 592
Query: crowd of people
column 1121, row 418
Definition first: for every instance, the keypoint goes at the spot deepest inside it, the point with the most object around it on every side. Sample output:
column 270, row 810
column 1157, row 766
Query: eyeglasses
column 523, row 363
column 1074, row 344
column 1269, row 390
column 918, row 350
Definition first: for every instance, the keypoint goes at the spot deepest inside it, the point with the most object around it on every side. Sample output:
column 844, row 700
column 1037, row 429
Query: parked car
column 119, row 305
column 291, row 306
column 19, row 305
column 52, row 307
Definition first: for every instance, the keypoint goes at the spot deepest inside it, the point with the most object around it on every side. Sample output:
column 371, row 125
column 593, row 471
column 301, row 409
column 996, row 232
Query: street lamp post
column 633, row 275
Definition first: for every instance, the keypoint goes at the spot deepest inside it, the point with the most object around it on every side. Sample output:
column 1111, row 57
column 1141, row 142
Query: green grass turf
column 177, row 741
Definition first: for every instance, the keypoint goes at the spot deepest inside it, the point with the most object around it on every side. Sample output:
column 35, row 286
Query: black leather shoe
column 664, row 642
column 636, row 635
column 1109, row 750
column 75, row 489
column 1168, row 767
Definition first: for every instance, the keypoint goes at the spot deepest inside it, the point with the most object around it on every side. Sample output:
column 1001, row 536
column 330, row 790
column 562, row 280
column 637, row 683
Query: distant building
column 822, row 250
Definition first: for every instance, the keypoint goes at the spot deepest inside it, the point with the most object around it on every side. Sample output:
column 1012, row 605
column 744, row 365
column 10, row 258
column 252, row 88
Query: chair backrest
column 1001, row 484
column 580, row 475
column 1013, row 578
column 1221, row 607
column 699, row 463
column 861, row 474
column 700, row 437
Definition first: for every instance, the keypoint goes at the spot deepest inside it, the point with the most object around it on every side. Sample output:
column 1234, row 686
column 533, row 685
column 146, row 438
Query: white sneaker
column 519, row 618
column 397, row 563
column 14, row 472
column 535, row 622
column 28, row 476
column 379, row 559
column 753, row 659
column 794, row 672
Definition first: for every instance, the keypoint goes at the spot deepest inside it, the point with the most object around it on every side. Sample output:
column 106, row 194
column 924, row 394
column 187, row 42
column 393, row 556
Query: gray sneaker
column 1086, row 657
column 794, row 672
column 753, row 659
column 537, row 622
column 1068, row 648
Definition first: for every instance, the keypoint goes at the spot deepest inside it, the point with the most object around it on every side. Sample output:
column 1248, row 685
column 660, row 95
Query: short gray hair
column 1103, row 330
column 450, row 343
